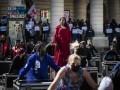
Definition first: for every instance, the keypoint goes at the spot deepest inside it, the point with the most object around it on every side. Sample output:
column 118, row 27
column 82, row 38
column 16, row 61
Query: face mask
column 75, row 67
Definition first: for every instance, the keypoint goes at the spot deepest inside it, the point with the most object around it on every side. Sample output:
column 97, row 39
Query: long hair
column 65, row 24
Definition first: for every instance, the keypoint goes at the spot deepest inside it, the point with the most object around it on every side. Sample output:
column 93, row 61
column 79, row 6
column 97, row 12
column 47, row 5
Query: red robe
column 62, row 38
column 6, row 46
column 15, row 50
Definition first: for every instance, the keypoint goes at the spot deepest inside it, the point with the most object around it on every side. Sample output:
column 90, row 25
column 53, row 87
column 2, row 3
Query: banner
column 32, row 12
column 16, row 12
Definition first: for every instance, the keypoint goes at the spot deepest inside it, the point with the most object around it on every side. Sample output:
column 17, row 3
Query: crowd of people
column 112, row 30
column 34, row 59
column 37, row 30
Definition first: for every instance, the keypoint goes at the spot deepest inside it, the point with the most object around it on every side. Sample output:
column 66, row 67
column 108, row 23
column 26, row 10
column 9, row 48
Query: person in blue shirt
column 37, row 64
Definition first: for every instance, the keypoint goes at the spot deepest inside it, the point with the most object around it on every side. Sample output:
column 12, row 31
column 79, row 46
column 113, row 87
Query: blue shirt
column 36, row 68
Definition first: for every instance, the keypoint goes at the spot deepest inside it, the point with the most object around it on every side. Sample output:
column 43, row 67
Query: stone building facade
column 95, row 10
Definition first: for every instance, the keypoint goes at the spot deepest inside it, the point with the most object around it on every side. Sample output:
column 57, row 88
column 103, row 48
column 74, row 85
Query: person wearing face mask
column 70, row 77
column 84, row 53
column 91, row 47
column 37, row 64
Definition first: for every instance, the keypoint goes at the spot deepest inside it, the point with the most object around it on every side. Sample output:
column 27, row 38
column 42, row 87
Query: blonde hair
column 74, row 57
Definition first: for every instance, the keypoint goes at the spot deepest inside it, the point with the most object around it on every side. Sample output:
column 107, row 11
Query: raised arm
column 59, row 76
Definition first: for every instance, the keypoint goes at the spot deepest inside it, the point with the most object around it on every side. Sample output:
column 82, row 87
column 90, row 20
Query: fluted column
column 117, row 10
column 80, row 9
column 106, row 10
column 96, row 20
column 57, row 11
column 114, row 10
column 96, row 16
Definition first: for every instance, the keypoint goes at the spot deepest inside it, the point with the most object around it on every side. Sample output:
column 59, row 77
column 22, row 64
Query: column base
column 100, row 42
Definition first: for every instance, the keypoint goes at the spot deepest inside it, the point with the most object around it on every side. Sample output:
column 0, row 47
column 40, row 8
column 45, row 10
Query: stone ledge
column 100, row 42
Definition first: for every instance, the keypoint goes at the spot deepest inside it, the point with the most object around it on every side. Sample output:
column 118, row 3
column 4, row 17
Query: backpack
column 115, row 76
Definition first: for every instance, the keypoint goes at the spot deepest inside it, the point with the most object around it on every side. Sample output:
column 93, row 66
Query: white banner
column 45, row 28
column 117, row 29
column 37, row 28
column 80, row 32
column 3, row 28
column 84, row 28
column 75, row 31
column 109, row 30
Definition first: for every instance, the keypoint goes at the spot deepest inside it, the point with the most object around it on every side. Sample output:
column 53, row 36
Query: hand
column 6, row 74
column 83, row 56
column 55, row 44
column 17, row 79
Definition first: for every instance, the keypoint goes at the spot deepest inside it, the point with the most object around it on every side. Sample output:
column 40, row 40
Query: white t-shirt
column 106, row 84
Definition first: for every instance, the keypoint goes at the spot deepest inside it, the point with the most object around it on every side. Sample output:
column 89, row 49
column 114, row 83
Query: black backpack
column 115, row 76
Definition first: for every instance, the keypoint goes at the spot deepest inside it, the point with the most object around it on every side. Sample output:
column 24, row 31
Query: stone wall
column 3, row 7
column 114, row 10
column 45, row 4
column 40, row 5
column 69, row 5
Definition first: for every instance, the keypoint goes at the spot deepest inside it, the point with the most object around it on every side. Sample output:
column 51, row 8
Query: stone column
column 96, row 20
column 110, row 9
column 114, row 10
column 106, row 10
column 80, row 9
column 96, row 16
column 57, row 11
column 15, row 3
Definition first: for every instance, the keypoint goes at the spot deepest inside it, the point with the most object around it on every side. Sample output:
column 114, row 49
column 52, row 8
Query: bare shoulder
column 63, row 68
column 62, row 71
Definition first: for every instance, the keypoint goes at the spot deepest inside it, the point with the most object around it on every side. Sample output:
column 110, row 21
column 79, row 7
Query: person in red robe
column 62, row 40
column 16, row 48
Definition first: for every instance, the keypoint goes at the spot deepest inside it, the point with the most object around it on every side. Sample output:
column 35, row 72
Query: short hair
column 39, row 46
column 21, row 51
